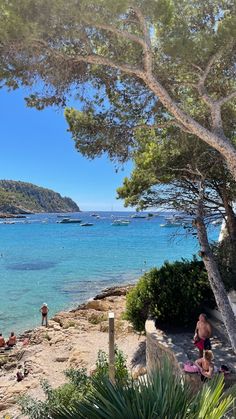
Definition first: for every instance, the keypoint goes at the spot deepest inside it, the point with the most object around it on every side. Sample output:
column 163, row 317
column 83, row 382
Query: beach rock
column 77, row 359
column 56, row 328
column 3, row 360
column 10, row 366
column 58, row 320
column 5, row 406
column 96, row 317
column 113, row 291
column 97, row 305
column 61, row 359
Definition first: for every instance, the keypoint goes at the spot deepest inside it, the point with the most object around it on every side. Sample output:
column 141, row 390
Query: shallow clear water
column 65, row 264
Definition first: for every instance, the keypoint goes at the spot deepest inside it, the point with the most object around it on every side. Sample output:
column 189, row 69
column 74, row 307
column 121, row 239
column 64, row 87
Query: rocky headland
column 72, row 339
column 18, row 197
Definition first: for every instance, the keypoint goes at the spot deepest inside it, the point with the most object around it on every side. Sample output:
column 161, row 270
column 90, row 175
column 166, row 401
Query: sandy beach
column 72, row 339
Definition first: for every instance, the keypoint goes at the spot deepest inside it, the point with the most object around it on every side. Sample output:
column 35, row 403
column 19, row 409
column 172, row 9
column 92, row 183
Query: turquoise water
column 65, row 264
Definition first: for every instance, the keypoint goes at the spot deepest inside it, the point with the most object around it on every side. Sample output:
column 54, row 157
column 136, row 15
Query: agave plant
column 162, row 395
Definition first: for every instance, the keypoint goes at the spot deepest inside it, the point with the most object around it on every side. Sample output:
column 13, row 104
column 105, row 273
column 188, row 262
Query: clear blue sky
column 36, row 148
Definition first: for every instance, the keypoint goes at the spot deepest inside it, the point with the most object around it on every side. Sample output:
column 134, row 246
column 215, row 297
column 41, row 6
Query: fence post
column 111, row 348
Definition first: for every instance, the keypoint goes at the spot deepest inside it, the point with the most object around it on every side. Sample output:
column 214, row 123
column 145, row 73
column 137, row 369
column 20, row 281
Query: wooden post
column 111, row 348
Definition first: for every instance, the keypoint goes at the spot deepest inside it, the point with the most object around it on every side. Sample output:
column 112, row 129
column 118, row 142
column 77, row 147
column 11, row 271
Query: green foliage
column 65, row 395
column 102, row 366
column 78, row 387
column 162, row 395
column 77, row 377
column 174, row 295
column 184, row 36
column 19, row 196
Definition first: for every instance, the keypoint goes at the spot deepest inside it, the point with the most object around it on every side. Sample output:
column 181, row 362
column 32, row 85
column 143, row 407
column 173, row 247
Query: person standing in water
column 44, row 311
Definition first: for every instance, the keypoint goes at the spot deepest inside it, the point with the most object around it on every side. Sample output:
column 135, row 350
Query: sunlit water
column 65, row 264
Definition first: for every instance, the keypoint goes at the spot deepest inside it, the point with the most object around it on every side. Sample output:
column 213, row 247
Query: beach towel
column 191, row 367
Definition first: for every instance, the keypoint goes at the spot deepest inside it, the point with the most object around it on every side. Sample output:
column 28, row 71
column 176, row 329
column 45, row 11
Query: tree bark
column 230, row 216
column 214, row 277
column 216, row 140
column 228, row 243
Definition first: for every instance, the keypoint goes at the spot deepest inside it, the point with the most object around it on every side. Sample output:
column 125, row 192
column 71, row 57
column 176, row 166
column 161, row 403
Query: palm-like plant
column 162, row 395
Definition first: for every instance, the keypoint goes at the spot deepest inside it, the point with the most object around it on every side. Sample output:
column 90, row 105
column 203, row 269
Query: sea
column 63, row 265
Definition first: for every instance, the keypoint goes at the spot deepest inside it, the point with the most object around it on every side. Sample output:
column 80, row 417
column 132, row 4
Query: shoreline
column 119, row 290
column 72, row 340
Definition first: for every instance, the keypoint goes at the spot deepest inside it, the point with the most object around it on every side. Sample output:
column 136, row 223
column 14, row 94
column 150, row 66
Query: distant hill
column 20, row 197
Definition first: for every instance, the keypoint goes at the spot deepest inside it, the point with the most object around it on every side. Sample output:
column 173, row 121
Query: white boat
column 70, row 221
column 139, row 216
column 120, row 223
column 217, row 222
column 170, row 224
column 86, row 224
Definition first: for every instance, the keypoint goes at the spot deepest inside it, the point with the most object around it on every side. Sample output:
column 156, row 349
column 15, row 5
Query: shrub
column 159, row 395
column 79, row 386
column 174, row 294
column 102, row 366
column 66, row 395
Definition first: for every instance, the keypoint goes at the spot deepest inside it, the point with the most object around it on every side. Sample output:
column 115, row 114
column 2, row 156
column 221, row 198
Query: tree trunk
column 219, row 142
column 230, row 216
column 228, row 243
column 214, row 277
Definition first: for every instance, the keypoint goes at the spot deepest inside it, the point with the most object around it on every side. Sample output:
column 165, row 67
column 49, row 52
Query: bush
column 102, row 366
column 66, row 395
column 79, row 386
column 174, row 295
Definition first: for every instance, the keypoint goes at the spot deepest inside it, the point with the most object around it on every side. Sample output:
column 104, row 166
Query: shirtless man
column 203, row 332
column 2, row 341
column 44, row 311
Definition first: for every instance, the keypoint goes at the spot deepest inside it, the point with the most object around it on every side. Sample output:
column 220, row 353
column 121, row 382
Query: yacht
column 138, row 216
column 120, row 223
column 70, row 221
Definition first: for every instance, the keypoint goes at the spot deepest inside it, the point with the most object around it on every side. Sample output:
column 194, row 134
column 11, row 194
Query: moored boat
column 120, row 223
column 170, row 224
column 139, row 216
column 70, row 221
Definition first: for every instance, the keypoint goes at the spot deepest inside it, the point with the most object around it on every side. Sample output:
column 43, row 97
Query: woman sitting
column 205, row 365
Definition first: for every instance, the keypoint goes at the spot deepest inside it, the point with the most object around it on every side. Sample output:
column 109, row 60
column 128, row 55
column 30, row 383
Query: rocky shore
column 72, row 339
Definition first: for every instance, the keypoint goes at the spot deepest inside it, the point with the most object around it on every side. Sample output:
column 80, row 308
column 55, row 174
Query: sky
column 36, row 147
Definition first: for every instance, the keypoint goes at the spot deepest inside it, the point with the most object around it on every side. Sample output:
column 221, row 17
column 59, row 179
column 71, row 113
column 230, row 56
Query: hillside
column 20, row 197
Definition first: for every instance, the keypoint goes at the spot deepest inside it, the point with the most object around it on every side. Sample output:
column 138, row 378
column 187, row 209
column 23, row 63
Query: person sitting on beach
column 205, row 365
column 2, row 341
column 44, row 311
column 12, row 340
column 203, row 332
